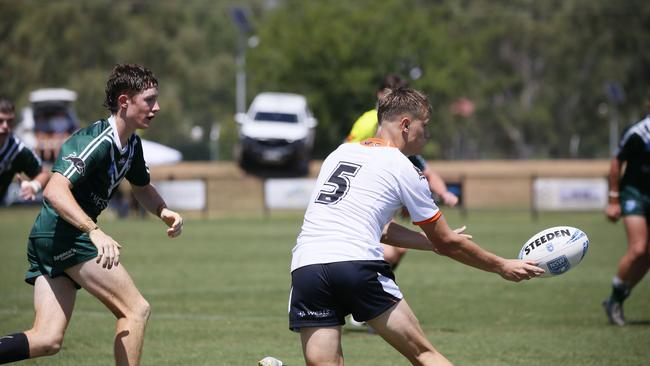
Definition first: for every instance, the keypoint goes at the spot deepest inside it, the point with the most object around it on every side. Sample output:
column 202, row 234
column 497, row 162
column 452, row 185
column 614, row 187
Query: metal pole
column 613, row 129
column 241, row 76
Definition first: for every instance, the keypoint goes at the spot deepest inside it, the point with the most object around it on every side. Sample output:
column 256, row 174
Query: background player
column 629, row 196
column 337, row 264
column 15, row 158
column 67, row 249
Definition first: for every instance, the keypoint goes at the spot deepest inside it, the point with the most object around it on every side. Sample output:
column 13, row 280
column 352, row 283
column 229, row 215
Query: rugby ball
column 556, row 249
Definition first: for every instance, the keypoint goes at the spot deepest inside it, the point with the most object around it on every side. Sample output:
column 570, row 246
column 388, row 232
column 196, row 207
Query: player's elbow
column 446, row 245
column 48, row 194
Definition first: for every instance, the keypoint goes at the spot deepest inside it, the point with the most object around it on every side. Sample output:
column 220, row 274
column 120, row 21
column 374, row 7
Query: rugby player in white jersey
column 338, row 267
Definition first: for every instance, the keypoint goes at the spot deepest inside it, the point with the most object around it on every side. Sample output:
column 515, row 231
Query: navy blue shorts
column 322, row 295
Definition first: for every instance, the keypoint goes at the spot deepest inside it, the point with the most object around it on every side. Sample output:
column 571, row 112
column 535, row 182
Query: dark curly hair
column 6, row 106
column 392, row 81
column 129, row 79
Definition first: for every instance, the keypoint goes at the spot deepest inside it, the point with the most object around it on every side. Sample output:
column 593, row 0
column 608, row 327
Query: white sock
column 617, row 282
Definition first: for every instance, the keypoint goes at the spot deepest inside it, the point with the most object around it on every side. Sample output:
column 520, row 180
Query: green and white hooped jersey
column 16, row 158
column 634, row 149
column 95, row 163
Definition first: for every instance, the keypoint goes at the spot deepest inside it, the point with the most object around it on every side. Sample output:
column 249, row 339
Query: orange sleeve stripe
column 432, row 219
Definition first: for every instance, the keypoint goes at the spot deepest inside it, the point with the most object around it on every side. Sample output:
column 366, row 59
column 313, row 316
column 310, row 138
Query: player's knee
column 638, row 252
column 51, row 344
column 44, row 342
column 429, row 357
column 52, row 348
column 138, row 310
column 323, row 361
column 394, row 255
column 143, row 310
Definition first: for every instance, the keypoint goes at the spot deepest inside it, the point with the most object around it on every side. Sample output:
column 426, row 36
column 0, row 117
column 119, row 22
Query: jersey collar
column 116, row 137
column 376, row 142
column 9, row 137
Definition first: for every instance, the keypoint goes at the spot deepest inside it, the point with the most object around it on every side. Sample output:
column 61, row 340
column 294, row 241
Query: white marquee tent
column 159, row 154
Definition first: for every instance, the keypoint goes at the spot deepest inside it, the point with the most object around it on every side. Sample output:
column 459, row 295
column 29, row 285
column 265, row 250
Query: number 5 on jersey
column 338, row 184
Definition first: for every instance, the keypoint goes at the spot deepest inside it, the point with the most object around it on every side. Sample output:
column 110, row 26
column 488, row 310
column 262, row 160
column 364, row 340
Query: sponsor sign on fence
column 183, row 194
column 569, row 193
column 288, row 193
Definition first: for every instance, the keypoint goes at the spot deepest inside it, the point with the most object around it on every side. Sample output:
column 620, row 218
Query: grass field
column 219, row 297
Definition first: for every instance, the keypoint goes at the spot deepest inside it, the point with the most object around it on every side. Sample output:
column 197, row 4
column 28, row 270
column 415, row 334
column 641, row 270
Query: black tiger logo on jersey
column 420, row 173
column 78, row 163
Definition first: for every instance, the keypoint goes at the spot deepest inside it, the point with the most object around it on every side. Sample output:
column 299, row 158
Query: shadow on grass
column 638, row 323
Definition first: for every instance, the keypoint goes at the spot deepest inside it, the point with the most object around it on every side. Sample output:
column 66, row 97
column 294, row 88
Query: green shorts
column 634, row 202
column 52, row 256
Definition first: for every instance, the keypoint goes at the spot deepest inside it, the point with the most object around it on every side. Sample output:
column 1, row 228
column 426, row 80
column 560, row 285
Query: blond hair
column 397, row 102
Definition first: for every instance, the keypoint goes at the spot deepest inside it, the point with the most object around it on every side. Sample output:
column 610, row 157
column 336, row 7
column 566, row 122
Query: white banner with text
column 570, row 193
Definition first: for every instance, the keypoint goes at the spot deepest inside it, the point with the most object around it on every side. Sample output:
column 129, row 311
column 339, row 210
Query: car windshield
column 54, row 117
column 276, row 117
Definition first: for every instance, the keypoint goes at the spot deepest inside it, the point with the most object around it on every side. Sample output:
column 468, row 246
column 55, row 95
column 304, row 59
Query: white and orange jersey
column 358, row 190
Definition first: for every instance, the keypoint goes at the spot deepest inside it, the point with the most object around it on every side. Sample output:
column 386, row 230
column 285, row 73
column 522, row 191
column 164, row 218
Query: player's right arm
column 58, row 194
column 400, row 236
column 460, row 248
column 150, row 199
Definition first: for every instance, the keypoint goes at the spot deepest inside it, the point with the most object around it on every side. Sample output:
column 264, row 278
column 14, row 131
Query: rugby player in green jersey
column 67, row 249
column 16, row 158
column 629, row 199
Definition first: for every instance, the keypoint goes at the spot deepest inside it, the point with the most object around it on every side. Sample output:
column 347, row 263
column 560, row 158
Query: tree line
column 538, row 79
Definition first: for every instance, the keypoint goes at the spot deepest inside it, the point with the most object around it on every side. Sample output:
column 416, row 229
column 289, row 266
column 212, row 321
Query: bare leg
column 393, row 255
column 401, row 329
column 322, row 346
column 636, row 261
column 53, row 304
column 116, row 290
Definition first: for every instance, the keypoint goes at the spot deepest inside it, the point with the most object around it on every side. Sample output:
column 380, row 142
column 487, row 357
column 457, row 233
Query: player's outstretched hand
column 518, row 270
column 108, row 250
column 173, row 220
column 449, row 199
column 28, row 189
column 461, row 231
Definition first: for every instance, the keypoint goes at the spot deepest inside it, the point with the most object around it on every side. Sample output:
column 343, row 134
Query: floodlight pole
column 613, row 130
column 240, row 18
column 241, row 75
column 616, row 96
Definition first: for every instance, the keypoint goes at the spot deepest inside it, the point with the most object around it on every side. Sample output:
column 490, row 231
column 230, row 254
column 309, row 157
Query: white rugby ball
column 556, row 249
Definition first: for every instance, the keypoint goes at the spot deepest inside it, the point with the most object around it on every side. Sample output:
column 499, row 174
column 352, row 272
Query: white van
column 277, row 130
column 48, row 120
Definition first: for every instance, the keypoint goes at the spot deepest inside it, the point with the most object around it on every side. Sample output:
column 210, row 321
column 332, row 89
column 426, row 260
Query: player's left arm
column 149, row 198
column 460, row 248
column 400, row 236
